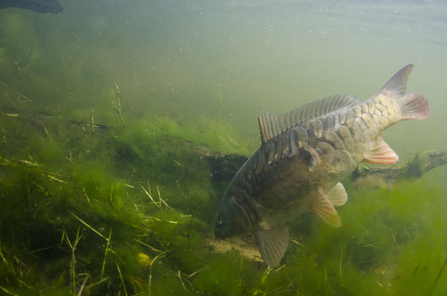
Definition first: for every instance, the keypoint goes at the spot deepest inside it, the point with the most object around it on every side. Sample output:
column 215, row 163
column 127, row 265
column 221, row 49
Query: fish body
column 304, row 155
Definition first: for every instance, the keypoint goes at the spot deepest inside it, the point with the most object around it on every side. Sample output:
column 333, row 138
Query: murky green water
column 129, row 210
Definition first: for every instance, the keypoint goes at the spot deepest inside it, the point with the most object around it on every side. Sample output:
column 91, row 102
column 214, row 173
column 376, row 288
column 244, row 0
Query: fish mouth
column 219, row 233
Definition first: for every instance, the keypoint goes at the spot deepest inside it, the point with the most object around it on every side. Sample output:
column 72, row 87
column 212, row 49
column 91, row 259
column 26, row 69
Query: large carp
column 304, row 155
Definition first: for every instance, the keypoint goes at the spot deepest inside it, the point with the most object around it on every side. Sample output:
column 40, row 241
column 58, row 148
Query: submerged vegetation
column 129, row 211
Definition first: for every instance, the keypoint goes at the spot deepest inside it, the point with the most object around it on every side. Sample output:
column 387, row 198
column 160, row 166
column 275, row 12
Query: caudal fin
column 413, row 106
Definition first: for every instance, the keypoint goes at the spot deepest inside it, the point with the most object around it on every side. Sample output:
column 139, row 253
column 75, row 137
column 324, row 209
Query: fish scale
column 304, row 155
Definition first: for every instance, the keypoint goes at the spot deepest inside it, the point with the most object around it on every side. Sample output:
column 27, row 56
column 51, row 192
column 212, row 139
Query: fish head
column 231, row 219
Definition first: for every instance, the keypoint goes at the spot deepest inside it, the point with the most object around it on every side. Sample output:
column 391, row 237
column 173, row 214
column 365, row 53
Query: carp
column 304, row 155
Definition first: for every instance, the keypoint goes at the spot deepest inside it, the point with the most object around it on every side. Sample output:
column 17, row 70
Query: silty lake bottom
column 106, row 107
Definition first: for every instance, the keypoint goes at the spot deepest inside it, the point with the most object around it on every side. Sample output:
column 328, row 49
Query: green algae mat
column 94, row 210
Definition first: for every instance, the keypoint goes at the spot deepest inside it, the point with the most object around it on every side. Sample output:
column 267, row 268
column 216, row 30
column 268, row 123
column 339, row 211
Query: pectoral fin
column 272, row 244
column 323, row 208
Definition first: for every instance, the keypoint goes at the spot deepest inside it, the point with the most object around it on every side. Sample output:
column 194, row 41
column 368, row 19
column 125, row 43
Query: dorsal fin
column 397, row 85
column 272, row 125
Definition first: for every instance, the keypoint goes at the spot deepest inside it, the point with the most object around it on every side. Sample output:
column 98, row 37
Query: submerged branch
column 223, row 166
column 420, row 164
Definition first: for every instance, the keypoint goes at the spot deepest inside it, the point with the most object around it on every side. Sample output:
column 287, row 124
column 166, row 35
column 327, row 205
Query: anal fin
column 337, row 195
column 323, row 208
column 380, row 153
column 272, row 244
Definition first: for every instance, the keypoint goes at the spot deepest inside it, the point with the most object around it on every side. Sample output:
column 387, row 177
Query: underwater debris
column 218, row 96
column 300, row 244
column 91, row 228
column 29, row 163
column 73, row 258
column 97, row 283
column 415, row 167
column 178, row 186
column 190, row 222
column 105, row 255
column 56, row 179
column 22, row 96
column 146, row 245
column 161, row 200
column 118, row 109
column 180, row 277
column 159, row 256
column 148, row 194
column 93, row 124
column 227, row 164
column 85, row 194
column 9, row 114
column 83, row 285
column 198, row 194
column 233, row 142
column 121, row 276
column 7, row 291
column 438, row 276
column 246, row 246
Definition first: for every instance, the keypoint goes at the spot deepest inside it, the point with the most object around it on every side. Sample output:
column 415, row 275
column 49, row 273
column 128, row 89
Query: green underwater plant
column 130, row 210
column 218, row 94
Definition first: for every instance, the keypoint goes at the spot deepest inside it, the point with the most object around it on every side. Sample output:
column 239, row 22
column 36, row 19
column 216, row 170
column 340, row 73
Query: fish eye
column 219, row 220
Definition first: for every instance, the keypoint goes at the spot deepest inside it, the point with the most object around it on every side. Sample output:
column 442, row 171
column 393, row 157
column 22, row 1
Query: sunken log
column 419, row 164
column 225, row 166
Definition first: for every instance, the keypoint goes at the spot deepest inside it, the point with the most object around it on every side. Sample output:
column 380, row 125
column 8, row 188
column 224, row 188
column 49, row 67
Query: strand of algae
column 93, row 124
column 91, row 228
column 97, row 283
column 121, row 276
column 161, row 200
column 7, row 291
column 150, row 196
column 180, row 277
column 439, row 275
column 105, row 255
column 218, row 96
column 159, row 256
column 83, row 285
column 73, row 259
column 118, row 109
